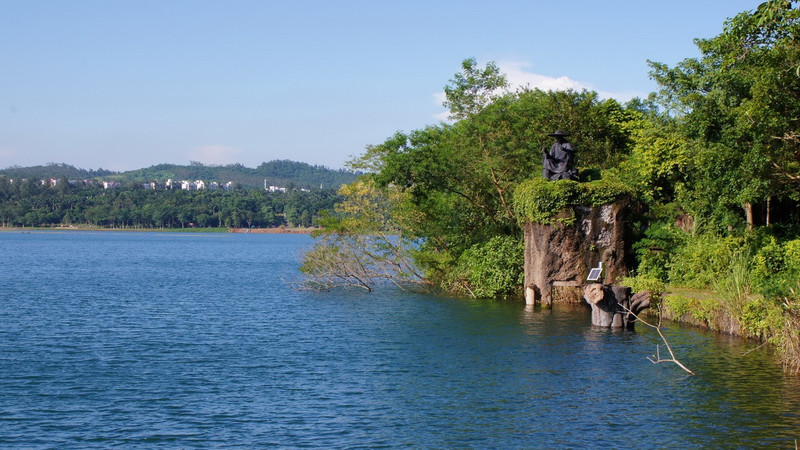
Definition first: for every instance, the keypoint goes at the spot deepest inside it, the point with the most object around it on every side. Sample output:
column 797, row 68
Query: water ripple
column 182, row 341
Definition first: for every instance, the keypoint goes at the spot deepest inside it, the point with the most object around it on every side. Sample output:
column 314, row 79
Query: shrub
column 705, row 309
column 702, row 259
column 538, row 200
column 601, row 192
column 790, row 334
column 654, row 251
column 491, row 270
column 701, row 309
column 643, row 283
column 733, row 283
column 776, row 267
column 678, row 305
column 763, row 319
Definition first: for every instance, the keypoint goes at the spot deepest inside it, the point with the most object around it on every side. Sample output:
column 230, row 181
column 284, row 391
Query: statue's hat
column 559, row 133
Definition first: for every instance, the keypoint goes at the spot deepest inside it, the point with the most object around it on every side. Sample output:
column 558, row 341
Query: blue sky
column 128, row 84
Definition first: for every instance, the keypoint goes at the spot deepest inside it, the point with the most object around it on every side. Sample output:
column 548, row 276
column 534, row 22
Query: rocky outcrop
column 564, row 251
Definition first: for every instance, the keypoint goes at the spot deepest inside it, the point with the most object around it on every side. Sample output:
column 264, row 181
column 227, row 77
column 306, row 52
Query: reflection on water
column 738, row 397
column 115, row 339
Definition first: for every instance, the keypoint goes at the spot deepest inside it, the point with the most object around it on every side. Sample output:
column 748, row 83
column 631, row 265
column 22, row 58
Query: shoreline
column 278, row 230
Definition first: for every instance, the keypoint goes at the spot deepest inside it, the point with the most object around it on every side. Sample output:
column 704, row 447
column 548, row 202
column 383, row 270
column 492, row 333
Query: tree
column 363, row 245
column 457, row 180
column 473, row 88
column 741, row 100
column 660, row 158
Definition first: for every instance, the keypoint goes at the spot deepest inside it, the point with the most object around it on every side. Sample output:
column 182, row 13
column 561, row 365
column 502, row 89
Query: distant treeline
column 277, row 173
column 53, row 170
column 31, row 203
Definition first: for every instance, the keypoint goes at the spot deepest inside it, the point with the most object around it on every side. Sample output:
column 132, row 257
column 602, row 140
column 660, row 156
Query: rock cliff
column 562, row 252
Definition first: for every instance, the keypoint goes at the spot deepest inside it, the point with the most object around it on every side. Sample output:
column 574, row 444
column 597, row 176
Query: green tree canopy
column 741, row 101
column 458, row 179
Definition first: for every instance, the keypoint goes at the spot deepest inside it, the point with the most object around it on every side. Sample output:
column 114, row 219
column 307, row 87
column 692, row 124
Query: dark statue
column 558, row 161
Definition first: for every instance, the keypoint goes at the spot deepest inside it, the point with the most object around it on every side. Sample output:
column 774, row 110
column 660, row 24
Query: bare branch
column 785, row 173
column 359, row 261
column 655, row 359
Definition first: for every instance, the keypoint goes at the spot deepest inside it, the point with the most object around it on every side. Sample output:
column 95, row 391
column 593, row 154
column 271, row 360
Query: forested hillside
column 279, row 173
column 276, row 173
column 59, row 194
column 30, row 203
column 53, row 170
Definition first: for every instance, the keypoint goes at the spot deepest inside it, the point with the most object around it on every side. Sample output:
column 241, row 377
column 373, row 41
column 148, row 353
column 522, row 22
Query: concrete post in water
column 530, row 295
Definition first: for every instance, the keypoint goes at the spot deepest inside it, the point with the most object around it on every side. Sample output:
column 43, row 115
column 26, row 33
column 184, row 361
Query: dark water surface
column 183, row 340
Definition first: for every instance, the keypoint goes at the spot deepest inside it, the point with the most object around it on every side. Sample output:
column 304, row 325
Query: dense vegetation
column 713, row 160
column 30, row 203
column 27, row 197
column 280, row 173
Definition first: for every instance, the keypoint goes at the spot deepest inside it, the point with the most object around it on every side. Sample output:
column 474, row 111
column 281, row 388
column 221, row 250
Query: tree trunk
column 768, row 209
column 748, row 213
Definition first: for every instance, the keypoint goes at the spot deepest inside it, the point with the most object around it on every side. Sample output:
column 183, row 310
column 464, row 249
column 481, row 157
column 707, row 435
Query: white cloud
column 214, row 154
column 439, row 99
column 518, row 75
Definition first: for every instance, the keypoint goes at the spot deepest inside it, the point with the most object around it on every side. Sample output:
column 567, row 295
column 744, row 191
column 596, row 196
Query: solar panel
column 594, row 274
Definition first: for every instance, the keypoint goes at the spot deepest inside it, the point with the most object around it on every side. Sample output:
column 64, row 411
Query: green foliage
column 655, row 250
column 701, row 309
column 363, row 244
column 763, row 319
column 660, row 160
column 604, row 191
column 32, row 204
column 642, row 283
column 724, row 264
column 491, row 270
column 704, row 259
column 776, row 266
column 706, row 309
column 539, row 201
column 473, row 88
column 773, row 318
column 458, row 180
column 747, row 135
column 733, row 284
column 790, row 334
column 678, row 305
column 542, row 201
column 53, row 170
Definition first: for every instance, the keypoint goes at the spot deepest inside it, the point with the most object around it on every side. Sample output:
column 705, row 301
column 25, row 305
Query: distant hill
column 276, row 173
column 53, row 170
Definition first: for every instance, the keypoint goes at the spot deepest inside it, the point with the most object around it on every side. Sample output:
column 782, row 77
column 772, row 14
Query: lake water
column 182, row 340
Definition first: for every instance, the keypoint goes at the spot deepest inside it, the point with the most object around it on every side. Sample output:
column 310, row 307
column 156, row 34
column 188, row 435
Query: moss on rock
column 544, row 202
